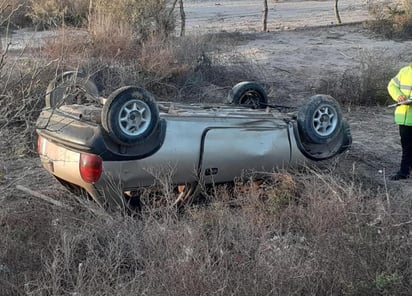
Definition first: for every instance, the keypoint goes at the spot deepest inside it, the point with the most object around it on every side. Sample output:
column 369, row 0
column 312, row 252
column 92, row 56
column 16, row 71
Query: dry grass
column 364, row 85
column 145, row 17
column 172, row 68
column 13, row 13
column 259, row 239
column 22, row 85
column 393, row 19
column 54, row 13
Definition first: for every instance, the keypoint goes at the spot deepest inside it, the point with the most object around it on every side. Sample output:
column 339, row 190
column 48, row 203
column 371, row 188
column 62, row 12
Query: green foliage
column 387, row 283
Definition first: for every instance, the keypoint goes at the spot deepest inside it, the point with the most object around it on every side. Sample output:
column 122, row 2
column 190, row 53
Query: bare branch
column 43, row 197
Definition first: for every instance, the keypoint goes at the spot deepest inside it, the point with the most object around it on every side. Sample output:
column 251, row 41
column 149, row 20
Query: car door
column 229, row 152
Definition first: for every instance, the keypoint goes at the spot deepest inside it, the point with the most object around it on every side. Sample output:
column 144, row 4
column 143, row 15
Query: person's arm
column 394, row 89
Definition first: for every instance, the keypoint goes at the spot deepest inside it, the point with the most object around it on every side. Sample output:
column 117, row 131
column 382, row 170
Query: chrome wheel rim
column 250, row 98
column 134, row 117
column 325, row 120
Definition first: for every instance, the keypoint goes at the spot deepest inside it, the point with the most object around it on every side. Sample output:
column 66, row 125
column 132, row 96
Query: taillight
column 90, row 167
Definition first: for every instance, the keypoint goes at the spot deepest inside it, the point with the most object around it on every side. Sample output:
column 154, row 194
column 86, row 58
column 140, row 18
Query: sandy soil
column 243, row 15
column 303, row 48
column 300, row 59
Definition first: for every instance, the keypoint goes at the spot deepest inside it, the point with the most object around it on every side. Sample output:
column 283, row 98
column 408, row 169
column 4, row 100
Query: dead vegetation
column 306, row 232
column 363, row 85
column 392, row 19
column 313, row 233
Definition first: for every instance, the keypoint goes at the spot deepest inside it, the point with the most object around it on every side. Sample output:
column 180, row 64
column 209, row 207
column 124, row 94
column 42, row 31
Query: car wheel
column 130, row 115
column 320, row 119
column 336, row 145
column 70, row 88
column 347, row 137
column 249, row 94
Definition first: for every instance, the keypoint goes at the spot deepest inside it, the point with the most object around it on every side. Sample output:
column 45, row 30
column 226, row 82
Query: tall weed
column 323, row 241
column 55, row 13
column 393, row 19
column 362, row 85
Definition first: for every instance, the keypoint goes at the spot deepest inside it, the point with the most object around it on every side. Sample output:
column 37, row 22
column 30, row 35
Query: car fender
column 337, row 144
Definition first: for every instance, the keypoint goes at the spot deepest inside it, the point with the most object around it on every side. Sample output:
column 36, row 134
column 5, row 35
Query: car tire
column 320, row 119
column 248, row 94
column 347, row 137
column 70, row 88
column 130, row 115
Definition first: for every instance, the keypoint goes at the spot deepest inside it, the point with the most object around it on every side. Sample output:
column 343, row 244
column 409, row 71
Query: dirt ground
column 302, row 48
column 241, row 15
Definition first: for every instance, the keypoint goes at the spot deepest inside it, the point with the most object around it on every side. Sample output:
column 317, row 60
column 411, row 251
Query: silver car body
column 211, row 144
column 129, row 140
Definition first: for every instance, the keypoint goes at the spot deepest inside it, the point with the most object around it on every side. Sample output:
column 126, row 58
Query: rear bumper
column 64, row 164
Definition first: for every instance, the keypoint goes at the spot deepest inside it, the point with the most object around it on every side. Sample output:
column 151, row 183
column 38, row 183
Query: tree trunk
column 265, row 16
column 182, row 19
column 338, row 20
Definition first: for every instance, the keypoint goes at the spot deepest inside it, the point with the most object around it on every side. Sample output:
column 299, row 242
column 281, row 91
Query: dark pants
column 406, row 142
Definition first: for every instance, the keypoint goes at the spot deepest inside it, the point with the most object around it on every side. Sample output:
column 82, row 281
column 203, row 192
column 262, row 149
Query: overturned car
column 111, row 147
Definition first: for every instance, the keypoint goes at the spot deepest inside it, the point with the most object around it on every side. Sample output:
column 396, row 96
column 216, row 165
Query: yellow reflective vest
column 400, row 85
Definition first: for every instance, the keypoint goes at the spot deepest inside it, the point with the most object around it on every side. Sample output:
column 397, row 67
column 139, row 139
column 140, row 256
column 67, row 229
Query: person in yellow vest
column 400, row 89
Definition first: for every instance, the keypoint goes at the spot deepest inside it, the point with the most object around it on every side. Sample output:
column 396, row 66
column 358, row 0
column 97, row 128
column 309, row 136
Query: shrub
column 142, row 18
column 362, row 85
column 55, row 13
column 14, row 13
column 392, row 19
column 172, row 68
column 22, row 88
